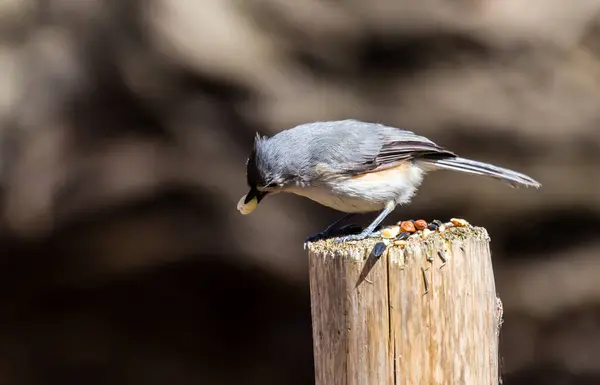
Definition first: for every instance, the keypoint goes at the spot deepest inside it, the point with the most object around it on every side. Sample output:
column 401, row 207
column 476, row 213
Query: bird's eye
column 271, row 185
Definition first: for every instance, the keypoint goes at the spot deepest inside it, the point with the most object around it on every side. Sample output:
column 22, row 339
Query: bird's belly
column 340, row 202
column 366, row 193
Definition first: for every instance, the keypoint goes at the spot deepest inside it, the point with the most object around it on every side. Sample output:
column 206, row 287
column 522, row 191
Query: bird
column 354, row 167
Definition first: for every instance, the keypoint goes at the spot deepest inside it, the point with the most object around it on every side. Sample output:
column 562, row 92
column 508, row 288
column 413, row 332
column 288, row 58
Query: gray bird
column 353, row 167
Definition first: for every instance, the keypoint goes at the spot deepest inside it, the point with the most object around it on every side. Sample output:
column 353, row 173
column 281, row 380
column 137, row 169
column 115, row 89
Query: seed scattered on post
column 425, row 281
column 420, row 224
column 459, row 222
column 403, row 235
column 408, row 226
column 442, row 258
column 390, row 232
column 378, row 249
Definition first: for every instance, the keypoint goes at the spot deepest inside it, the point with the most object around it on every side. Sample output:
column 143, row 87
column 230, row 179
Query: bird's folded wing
column 399, row 146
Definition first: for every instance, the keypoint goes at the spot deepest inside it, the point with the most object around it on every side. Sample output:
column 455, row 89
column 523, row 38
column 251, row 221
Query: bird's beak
column 254, row 193
column 249, row 201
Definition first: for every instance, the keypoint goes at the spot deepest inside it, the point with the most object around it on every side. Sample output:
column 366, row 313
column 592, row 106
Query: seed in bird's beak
column 247, row 208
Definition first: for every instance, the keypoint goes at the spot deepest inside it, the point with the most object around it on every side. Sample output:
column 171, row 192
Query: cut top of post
column 424, row 312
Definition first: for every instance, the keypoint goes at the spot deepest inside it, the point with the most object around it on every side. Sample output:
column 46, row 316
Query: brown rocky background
column 124, row 129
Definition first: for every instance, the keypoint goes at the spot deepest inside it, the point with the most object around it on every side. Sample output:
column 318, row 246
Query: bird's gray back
column 336, row 147
column 307, row 149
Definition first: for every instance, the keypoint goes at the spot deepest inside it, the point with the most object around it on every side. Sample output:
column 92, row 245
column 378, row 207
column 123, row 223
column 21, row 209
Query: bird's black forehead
column 253, row 176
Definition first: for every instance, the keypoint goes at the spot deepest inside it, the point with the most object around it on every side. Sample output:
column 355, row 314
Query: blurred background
column 124, row 130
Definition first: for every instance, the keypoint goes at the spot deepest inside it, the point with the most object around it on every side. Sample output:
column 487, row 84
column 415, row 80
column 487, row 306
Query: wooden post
column 374, row 323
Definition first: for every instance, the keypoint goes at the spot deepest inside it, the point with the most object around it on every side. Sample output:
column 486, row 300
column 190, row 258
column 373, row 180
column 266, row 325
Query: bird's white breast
column 365, row 193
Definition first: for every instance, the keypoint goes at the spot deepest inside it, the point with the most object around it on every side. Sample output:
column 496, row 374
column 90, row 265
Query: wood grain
column 374, row 324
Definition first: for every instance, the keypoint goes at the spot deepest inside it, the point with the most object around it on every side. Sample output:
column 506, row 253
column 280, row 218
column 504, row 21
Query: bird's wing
column 397, row 146
column 406, row 145
column 352, row 147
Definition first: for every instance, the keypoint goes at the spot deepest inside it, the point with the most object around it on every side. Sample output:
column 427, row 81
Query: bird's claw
column 357, row 237
column 348, row 238
column 317, row 237
column 314, row 238
column 344, row 231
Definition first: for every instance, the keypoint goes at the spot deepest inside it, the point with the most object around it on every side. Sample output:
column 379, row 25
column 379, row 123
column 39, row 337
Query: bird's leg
column 329, row 230
column 369, row 230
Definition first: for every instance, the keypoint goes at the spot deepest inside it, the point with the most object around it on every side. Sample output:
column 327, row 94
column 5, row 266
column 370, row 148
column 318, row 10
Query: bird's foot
column 348, row 238
column 316, row 237
column 348, row 229
column 358, row 237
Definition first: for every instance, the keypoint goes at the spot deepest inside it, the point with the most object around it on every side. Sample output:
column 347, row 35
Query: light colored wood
column 373, row 324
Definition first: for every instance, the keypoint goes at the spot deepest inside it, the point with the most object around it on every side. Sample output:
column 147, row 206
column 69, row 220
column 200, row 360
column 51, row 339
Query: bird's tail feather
column 479, row 168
